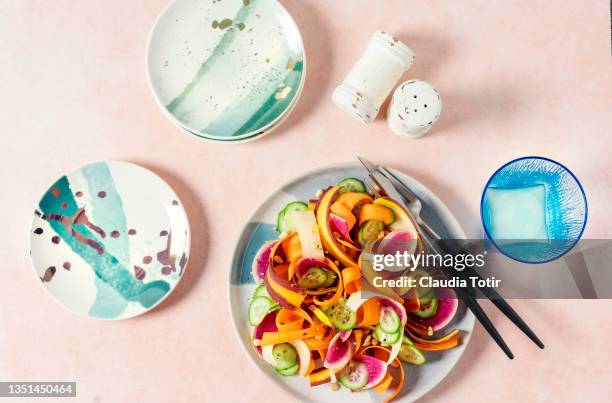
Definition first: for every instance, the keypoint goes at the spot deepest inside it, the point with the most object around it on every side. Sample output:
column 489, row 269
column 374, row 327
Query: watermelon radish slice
column 398, row 241
column 339, row 225
column 376, row 369
column 447, row 309
column 268, row 324
column 262, row 261
column 339, row 353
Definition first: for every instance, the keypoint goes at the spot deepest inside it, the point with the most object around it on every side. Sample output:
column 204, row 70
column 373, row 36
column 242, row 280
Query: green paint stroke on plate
column 218, row 53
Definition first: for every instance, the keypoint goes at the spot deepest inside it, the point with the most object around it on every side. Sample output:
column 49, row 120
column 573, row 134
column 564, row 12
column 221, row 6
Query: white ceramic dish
column 226, row 70
column 110, row 240
column 260, row 228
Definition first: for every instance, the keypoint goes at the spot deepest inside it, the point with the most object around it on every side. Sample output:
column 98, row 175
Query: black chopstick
column 507, row 310
column 484, row 320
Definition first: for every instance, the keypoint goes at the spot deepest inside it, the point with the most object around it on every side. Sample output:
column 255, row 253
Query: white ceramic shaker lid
column 414, row 108
column 373, row 77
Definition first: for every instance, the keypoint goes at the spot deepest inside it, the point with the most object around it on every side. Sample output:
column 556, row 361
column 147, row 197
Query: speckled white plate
column 110, row 240
column 226, row 70
column 260, row 228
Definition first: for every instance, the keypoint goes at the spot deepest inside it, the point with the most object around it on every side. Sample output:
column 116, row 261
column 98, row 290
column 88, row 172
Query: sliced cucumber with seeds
column 410, row 354
column 351, row 185
column 285, row 356
column 389, row 320
column 284, row 220
column 313, row 278
column 261, row 291
column 370, row 230
column 384, row 337
column 354, row 376
column 289, row 371
column 427, row 310
column 258, row 308
column 331, row 279
column 343, row 317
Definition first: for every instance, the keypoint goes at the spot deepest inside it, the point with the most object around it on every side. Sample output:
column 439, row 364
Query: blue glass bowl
column 533, row 209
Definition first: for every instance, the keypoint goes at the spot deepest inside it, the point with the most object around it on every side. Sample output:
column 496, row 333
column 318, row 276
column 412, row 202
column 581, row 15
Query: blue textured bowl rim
column 534, row 157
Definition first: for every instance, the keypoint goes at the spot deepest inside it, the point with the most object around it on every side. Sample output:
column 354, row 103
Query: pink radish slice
column 339, row 225
column 398, row 241
column 345, row 334
column 262, row 261
column 376, row 369
column 447, row 309
column 268, row 324
column 339, row 353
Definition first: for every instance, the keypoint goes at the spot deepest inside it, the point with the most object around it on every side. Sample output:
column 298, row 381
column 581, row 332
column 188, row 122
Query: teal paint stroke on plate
column 99, row 179
column 255, row 235
column 274, row 107
column 106, row 266
column 177, row 105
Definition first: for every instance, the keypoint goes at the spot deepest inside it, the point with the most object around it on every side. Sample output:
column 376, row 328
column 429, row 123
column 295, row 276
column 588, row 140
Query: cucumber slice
column 384, row 337
column 406, row 340
column 351, row 185
column 354, row 376
column 261, row 291
column 314, row 278
column 410, row 354
column 289, row 371
column 343, row 317
column 389, row 320
column 427, row 310
column 259, row 307
column 369, row 231
column 285, row 356
column 331, row 279
column 425, row 294
column 283, row 219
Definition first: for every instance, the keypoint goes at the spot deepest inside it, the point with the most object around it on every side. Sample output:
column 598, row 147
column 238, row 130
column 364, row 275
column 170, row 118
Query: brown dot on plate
column 49, row 273
column 55, row 192
column 66, row 265
column 132, row 231
column 147, row 259
column 139, row 273
column 55, row 239
column 175, row 202
column 101, row 194
column 79, row 194
column 163, row 233
column 38, row 231
column 115, row 234
column 166, row 270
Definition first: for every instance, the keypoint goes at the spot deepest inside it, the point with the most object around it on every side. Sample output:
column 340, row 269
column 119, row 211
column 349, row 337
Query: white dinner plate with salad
column 299, row 309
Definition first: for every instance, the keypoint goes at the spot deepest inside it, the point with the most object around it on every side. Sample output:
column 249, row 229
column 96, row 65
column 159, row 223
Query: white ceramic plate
column 226, row 70
column 110, row 240
column 260, row 227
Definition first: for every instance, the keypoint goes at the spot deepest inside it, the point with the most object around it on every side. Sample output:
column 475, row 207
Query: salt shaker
column 414, row 108
column 373, row 77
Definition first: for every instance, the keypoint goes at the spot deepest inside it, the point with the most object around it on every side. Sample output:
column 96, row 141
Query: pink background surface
column 516, row 78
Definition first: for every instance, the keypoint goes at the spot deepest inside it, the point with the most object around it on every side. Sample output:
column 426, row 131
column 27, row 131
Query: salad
column 314, row 313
